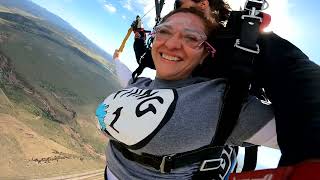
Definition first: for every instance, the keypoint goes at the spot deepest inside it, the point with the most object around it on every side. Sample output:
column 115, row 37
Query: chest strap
column 208, row 155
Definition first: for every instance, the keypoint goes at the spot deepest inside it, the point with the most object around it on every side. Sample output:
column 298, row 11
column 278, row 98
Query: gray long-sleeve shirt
column 172, row 117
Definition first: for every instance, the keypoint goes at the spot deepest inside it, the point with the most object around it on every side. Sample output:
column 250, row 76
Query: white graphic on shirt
column 134, row 114
column 228, row 156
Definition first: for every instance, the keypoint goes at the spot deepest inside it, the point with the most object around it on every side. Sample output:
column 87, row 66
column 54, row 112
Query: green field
column 50, row 86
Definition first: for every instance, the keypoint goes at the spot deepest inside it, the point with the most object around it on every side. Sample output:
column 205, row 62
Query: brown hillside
column 25, row 152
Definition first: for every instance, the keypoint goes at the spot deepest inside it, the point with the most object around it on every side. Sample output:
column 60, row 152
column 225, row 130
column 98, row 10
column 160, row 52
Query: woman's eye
column 164, row 31
column 191, row 38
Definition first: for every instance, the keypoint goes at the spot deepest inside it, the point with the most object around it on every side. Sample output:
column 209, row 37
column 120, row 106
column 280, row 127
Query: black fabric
column 240, row 76
column 250, row 158
column 143, row 57
column 291, row 81
column 139, row 48
column 233, row 99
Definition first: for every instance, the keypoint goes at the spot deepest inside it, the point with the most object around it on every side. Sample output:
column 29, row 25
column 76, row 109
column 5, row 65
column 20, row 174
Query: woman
column 291, row 81
column 155, row 125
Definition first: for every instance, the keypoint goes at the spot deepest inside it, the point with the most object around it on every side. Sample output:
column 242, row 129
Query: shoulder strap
column 240, row 78
column 159, row 6
column 241, row 71
column 250, row 158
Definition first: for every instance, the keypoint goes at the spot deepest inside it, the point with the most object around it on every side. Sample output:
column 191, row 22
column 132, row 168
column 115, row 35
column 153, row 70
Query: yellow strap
column 125, row 40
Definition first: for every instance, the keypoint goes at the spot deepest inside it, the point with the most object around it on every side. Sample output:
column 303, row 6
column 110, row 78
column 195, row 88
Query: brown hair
column 222, row 8
column 210, row 27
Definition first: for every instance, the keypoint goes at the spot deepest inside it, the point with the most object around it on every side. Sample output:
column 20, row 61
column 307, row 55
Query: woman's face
column 175, row 53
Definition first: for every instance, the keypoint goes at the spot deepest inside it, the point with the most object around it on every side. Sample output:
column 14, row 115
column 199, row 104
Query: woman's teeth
column 170, row 58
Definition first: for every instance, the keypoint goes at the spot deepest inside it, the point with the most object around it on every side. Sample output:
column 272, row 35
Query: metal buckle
column 251, row 16
column 262, row 2
column 202, row 167
column 237, row 45
column 163, row 163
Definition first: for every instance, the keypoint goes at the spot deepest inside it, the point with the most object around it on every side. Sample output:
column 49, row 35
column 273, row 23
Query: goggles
column 190, row 38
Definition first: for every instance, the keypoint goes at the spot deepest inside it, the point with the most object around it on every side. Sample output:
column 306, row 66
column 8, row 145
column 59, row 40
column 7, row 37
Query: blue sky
column 105, row 22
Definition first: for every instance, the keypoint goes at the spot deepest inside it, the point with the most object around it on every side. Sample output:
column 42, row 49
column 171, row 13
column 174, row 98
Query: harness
column 240, row 76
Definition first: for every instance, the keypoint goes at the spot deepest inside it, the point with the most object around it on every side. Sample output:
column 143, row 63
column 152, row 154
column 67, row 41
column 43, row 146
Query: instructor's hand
column 116, row 54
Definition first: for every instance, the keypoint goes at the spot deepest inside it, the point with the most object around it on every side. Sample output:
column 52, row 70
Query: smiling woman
column 163, row 128
column 179, row 45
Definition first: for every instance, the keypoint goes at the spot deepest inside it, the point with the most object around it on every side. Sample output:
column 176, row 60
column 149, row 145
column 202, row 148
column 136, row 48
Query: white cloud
column 110, row 8
column 124, row 17
column 128, row 5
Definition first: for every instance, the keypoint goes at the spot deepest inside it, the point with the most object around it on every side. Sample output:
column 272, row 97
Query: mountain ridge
column 38, row 11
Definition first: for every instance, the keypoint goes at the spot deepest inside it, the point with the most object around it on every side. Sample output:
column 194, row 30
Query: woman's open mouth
column 169, row 58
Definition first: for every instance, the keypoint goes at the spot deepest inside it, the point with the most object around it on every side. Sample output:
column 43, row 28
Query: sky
column 106, row 22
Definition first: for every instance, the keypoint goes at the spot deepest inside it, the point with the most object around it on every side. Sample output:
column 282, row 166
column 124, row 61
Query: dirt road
column 91, row 175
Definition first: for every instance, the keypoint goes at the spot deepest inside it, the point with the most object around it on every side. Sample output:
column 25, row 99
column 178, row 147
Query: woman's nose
column 175, row 42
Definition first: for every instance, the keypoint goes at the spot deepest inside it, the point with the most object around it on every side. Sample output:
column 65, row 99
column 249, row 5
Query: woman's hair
column 210, row 27
column 220, row 8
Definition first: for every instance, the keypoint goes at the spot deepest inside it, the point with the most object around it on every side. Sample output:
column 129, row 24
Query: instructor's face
column 189, row 3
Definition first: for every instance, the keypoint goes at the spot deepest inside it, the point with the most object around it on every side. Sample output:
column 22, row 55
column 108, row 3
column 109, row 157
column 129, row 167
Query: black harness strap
column 250, row 158
column 165, row 163
column 159, row 6
column 236, row 149
column 240, row 75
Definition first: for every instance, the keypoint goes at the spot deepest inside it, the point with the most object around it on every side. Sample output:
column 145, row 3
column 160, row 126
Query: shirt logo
column 135, row 115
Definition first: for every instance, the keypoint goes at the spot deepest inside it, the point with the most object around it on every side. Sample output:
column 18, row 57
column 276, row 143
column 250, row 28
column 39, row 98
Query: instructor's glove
column 101, row 113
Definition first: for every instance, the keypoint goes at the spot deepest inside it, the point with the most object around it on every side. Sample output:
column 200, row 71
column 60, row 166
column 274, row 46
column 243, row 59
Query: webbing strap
column 234, row 96
column 159, row 6
column 250, row 158
column 240, row 77
column 168, row 162
column 156, row 2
